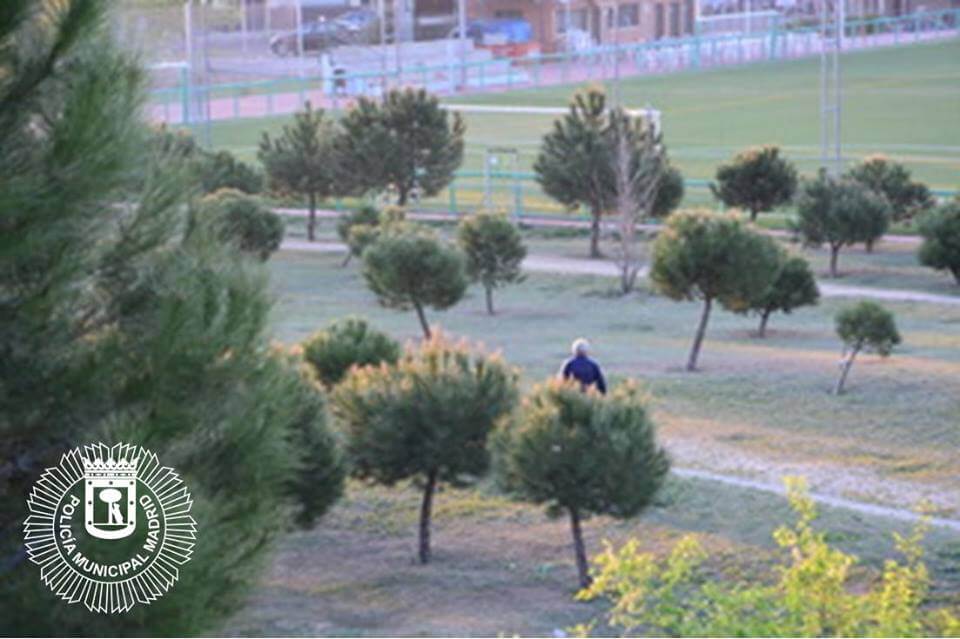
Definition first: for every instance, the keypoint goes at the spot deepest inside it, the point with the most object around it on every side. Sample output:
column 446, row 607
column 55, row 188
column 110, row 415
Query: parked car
column 361, row 23
column 317, row 36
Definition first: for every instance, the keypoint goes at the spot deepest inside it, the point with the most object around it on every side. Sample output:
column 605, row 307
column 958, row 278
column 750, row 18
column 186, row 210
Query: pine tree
column 757, row 180
column 425, row 418
column 301, row 162
column 406, row 143
column 119, row 321
column 494, row 250
column 578, row 159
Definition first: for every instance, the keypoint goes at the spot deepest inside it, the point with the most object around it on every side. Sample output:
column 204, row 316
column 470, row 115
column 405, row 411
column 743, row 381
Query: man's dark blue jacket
column 586, row 371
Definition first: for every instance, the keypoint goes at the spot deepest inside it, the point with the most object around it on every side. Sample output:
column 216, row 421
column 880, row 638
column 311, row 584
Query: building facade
column 604, row 21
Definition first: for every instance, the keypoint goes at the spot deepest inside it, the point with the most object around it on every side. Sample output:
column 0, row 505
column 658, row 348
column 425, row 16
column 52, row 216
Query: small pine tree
column 406, row 143
column 300, row 161
column 757, row 180
column 425, row 418
column 839, row 213
column 578, row 159
column 221, row 170
column 794, row 286
column 410, row 268
column 494, row 250
column 892, row 180
column 670, row 192
column 941, row 239
column 344, row 344
column 242, row 221
column 582, row 453
column 864, row 326
column 711, row 257
column 366, row 216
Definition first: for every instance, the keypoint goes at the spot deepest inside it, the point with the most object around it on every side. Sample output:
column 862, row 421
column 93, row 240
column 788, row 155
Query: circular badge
column 109, row 527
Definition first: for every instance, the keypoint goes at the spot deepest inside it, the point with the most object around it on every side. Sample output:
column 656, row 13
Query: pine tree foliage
column 713, row 258
column 940, row 229
column 346, row 343
column 409, row 267
column 242, row 221
column 406, row 143
column 119, row 321
column 757, row 180
column 893, row 181
column 578, row 160
column 794, row 286
column 838, row 213
column 865, row 326
column 582, row 453
column 425, row 418
column 300, row 161
column 494, row 250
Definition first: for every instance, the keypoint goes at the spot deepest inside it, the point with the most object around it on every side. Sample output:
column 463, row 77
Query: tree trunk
column 834, row 255
column 402, row 194
column 579, row 549
column 346, row 260
column 753, row 214
column 423, row 319
column 595, row 234
column 869, row 245
column 426, row 508
column 845, row 370
column 762, row 330
column 312, row 220
column 489, row 291
column 698, row 338
column 956, row 274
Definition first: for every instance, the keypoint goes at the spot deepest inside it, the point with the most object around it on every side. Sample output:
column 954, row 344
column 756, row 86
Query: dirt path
column 827, row 500
column 606, row 268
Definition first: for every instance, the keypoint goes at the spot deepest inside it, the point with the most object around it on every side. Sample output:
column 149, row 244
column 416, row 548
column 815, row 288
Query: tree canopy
column 349, row 342
column 865, row 326
column 582, row 453
column 838, row 213
column 300, row 160
column 578, row 159
column 794, row 286
column 712, row 257
column 893, row 181
column 757, row 180
column 494, row 250
column 119, row 322
column 411, row 268
column 406, row 143
column 941, row 239
column 427, row 418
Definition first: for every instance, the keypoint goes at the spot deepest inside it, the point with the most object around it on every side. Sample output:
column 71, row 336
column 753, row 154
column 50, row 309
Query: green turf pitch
column 903, row 102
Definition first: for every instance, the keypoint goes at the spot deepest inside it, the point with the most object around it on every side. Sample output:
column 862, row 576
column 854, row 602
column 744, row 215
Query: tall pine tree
column 119, row 321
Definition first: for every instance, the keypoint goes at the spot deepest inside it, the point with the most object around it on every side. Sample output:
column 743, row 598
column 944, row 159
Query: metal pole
column 382, row 17
column 462, row 17
column 243, row 24
column 299, row 19
column 188, row 37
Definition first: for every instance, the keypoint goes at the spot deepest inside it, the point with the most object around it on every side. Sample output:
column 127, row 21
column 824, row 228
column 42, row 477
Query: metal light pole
column 462, row 22
column 831, row 98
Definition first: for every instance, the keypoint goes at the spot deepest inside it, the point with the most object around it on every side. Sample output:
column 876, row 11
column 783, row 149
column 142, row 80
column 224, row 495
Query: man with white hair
column 582, row 368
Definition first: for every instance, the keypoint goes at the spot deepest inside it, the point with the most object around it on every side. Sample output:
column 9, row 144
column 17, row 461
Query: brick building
column 606, row 21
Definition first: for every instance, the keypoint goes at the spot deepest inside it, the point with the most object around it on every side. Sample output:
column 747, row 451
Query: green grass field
column 903, row 102
column 505, row 568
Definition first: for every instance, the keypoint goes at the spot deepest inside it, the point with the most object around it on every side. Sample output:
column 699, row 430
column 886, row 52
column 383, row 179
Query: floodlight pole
column 462, row 25
column 831, row 100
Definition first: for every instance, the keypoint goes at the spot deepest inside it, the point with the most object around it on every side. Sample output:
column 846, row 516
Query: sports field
column 903, row 102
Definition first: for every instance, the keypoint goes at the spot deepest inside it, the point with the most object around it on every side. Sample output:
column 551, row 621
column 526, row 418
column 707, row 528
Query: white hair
column 580, row 346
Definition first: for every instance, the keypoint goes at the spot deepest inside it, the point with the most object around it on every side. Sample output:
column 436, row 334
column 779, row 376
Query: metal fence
column 181, row 99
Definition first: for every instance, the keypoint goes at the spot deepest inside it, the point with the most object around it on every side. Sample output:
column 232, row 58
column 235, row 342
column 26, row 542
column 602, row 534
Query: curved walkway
column 606, row 268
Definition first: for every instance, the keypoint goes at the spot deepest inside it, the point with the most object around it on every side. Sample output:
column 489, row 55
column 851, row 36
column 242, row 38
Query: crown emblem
column 98, row 468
